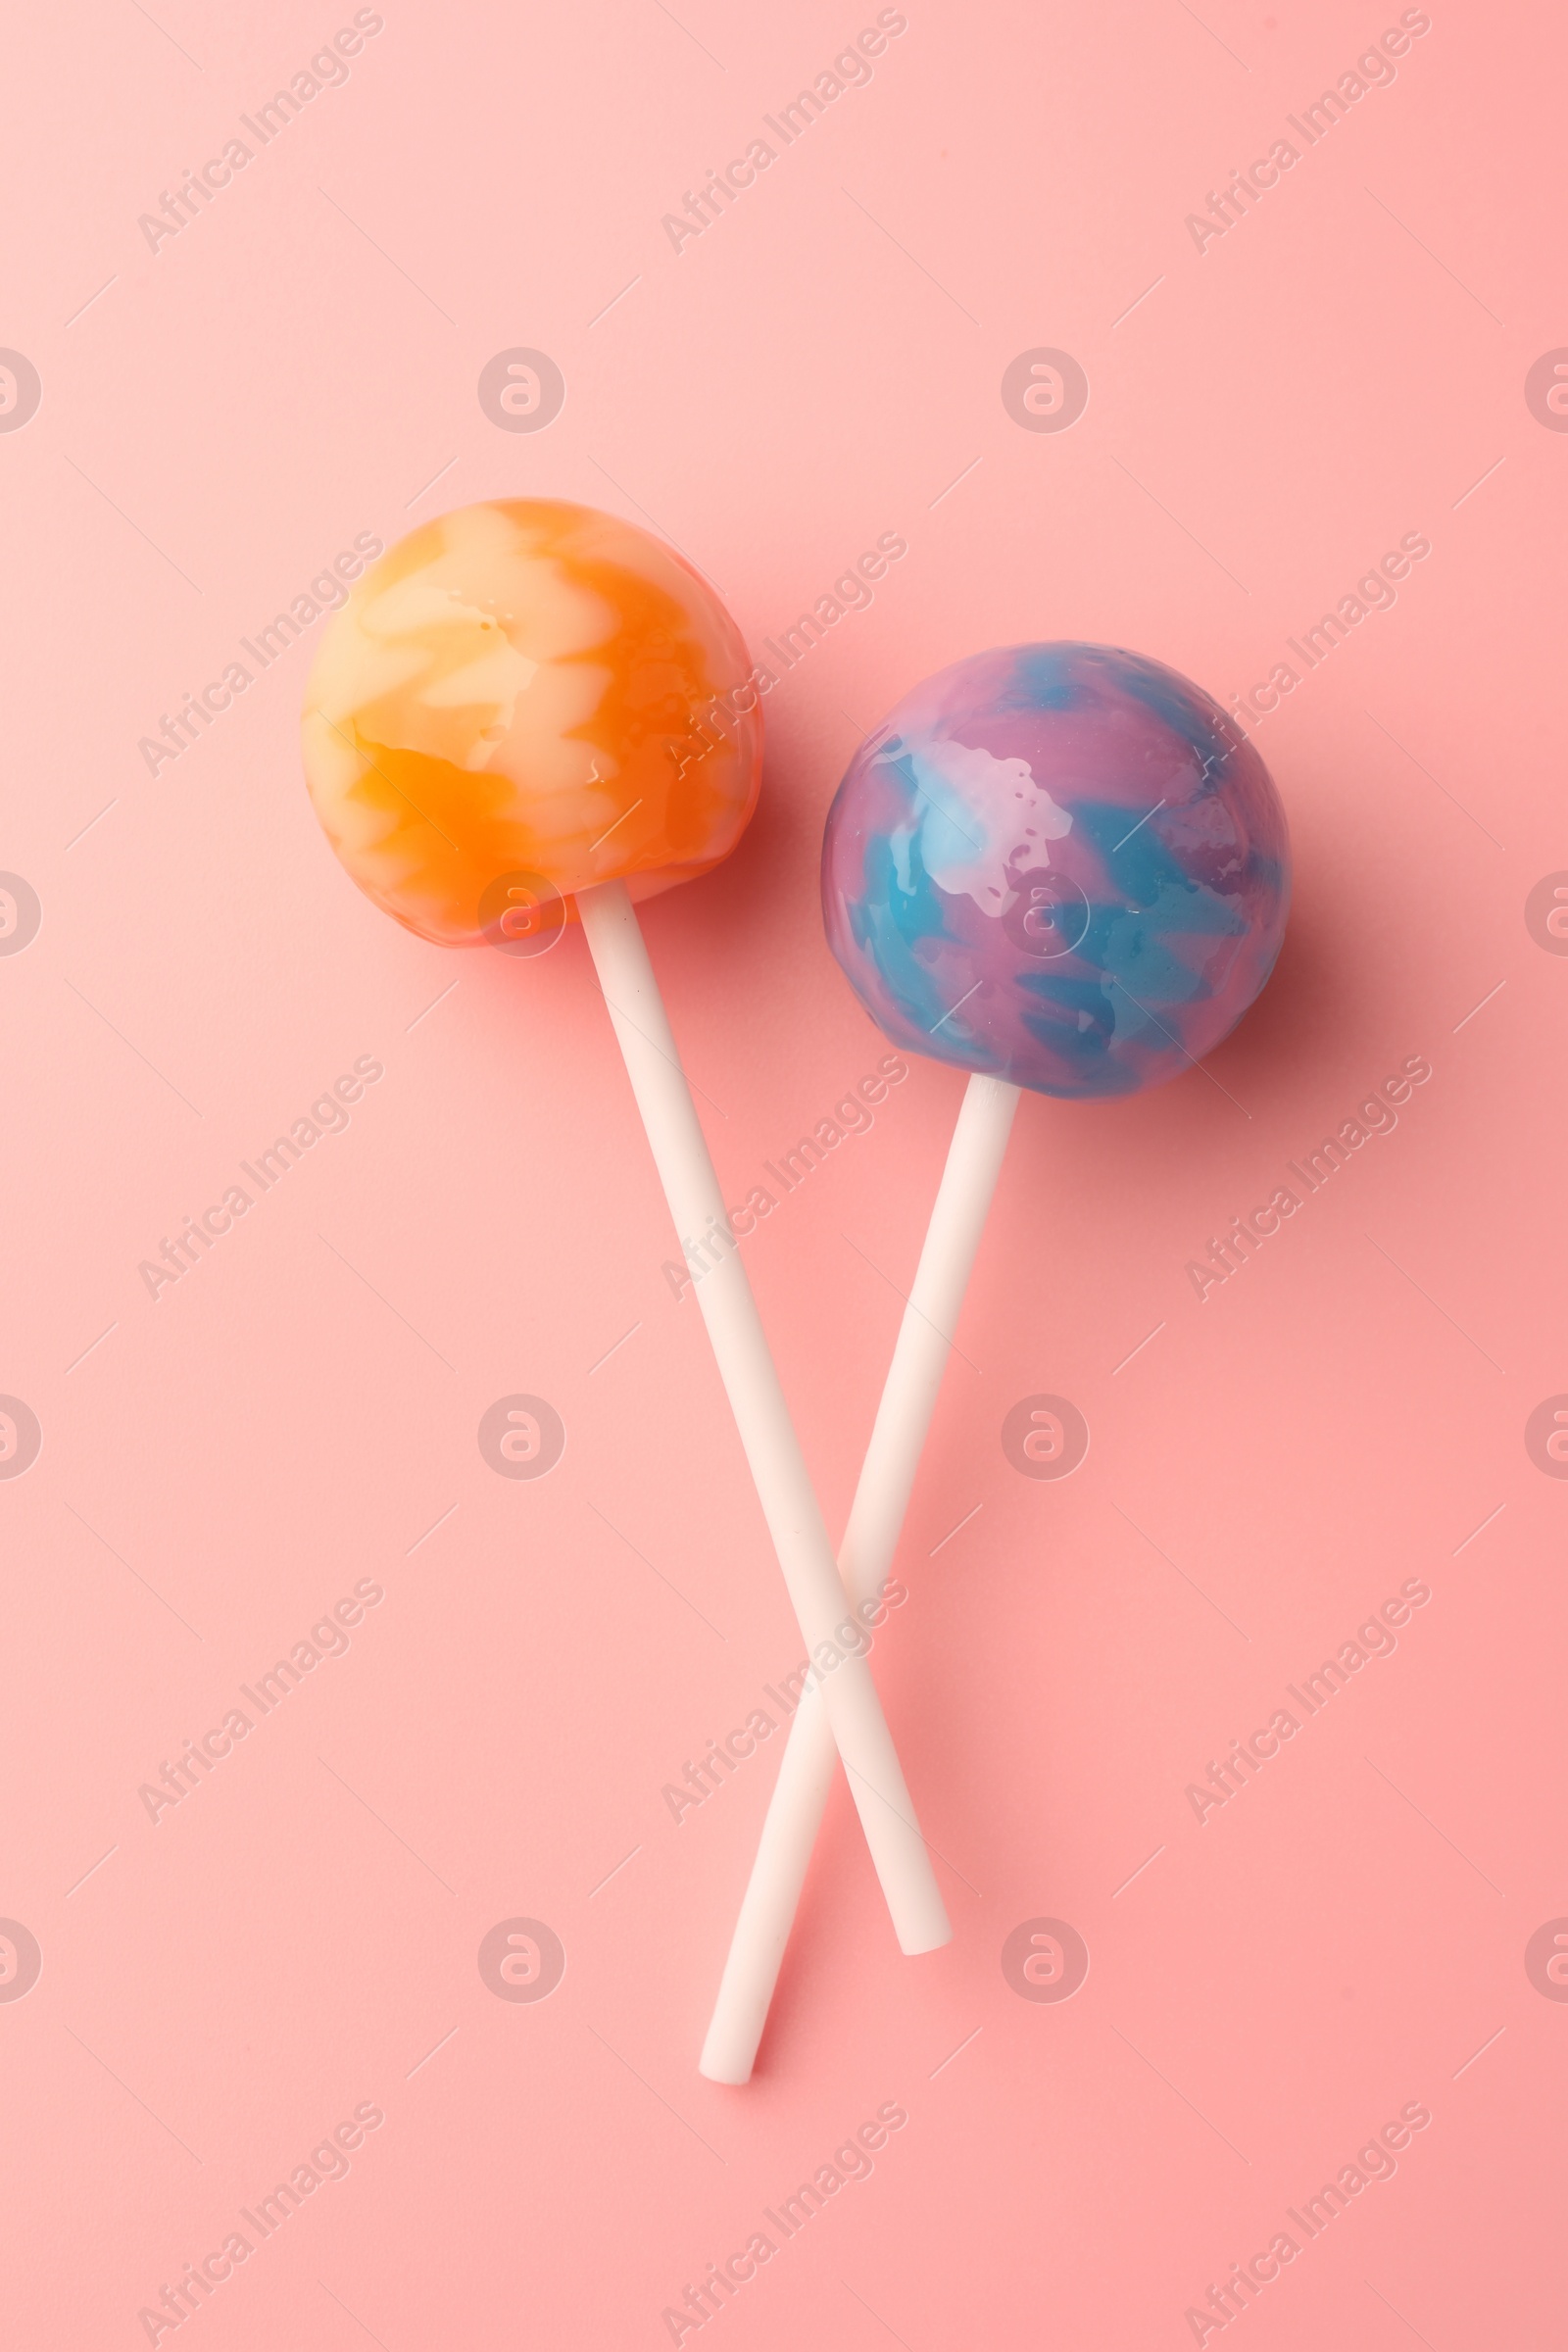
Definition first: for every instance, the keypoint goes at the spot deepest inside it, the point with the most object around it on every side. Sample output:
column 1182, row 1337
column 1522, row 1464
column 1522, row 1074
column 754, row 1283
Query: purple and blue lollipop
column 1059, row 865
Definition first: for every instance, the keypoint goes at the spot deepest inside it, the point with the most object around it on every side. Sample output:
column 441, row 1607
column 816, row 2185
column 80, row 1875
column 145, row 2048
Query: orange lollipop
column 529, row 709
column 528, row 687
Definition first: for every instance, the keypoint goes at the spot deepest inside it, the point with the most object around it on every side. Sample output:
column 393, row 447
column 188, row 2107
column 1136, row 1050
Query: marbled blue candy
column 1062, row 865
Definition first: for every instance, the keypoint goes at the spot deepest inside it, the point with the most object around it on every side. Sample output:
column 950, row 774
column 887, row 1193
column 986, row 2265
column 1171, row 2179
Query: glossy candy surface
column 528, row 688
column 1062, row 864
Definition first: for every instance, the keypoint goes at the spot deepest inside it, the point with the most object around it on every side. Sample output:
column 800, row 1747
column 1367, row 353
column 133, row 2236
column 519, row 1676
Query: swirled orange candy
column 528, row 689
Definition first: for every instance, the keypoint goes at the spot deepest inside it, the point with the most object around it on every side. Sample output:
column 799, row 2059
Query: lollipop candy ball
column 1062, row 864
column 528, row 687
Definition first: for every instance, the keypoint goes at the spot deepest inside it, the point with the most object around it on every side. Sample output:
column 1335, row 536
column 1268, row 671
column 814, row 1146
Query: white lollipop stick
column 853, row 1719
column 870, row 1540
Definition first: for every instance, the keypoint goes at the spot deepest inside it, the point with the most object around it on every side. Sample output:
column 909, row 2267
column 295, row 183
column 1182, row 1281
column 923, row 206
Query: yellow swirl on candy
column 528, row 686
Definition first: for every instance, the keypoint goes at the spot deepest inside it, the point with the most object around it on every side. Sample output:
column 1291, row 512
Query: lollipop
column 526, row 711
column 1063, row 867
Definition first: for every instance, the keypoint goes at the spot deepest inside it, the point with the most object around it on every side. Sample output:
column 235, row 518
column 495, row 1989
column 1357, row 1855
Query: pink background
column 218, row 1466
